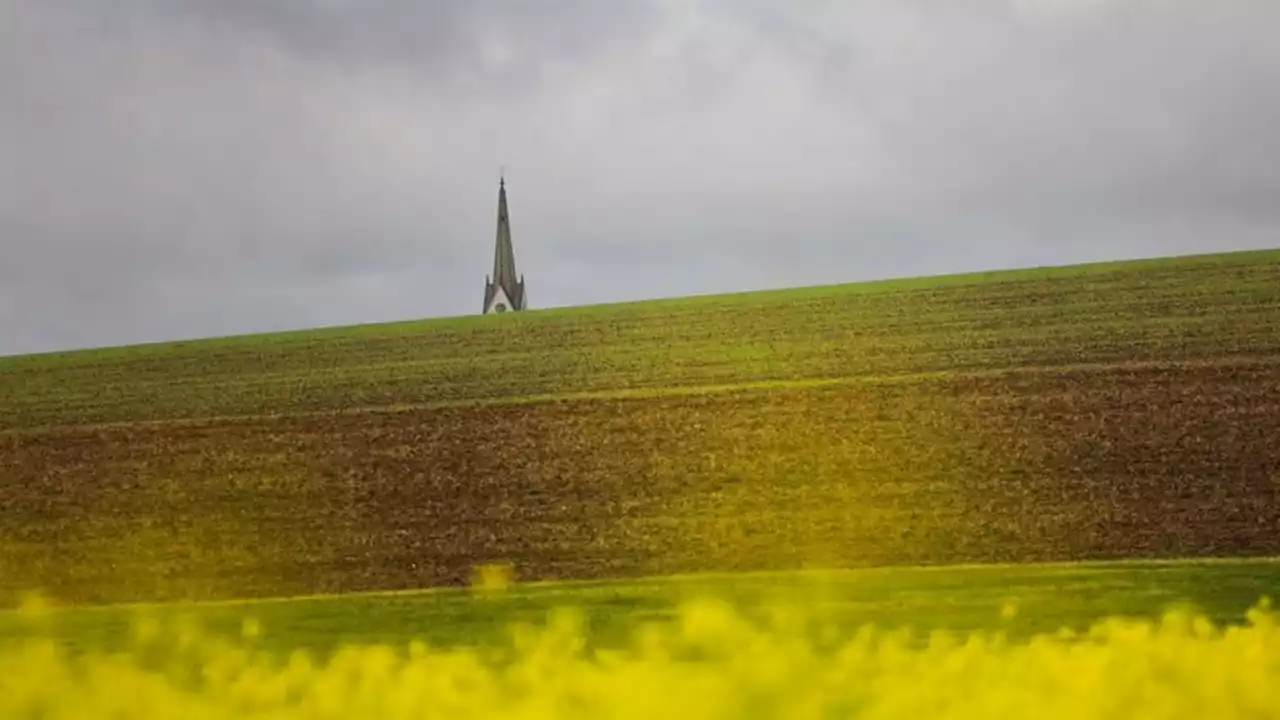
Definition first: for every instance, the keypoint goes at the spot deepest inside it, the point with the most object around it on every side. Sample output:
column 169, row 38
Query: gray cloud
column 191, row 167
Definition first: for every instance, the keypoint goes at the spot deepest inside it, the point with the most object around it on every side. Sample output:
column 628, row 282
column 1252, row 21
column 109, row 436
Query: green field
column 1020, row 600
column 1127, row 639
column 947, row 450
column 1123, row 410
column 982, row 642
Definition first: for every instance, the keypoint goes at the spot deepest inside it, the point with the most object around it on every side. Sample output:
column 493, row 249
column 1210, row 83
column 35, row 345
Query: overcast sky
column 187, row 168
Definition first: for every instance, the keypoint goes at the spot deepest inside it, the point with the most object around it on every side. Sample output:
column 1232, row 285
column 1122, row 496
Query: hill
column 1104, row 411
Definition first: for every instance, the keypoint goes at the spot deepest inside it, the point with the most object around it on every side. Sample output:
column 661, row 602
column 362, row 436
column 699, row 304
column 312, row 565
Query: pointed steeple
column 506, row 290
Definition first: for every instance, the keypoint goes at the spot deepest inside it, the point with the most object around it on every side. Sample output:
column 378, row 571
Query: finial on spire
column 502, row 176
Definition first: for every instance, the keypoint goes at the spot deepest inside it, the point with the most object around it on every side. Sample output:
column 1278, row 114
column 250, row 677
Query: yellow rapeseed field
column 709, row 662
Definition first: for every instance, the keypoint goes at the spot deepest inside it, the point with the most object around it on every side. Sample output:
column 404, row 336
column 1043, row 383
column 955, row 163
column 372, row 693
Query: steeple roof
column 504, row 259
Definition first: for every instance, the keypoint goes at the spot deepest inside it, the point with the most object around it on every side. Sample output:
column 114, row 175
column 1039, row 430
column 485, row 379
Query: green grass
column 1138, row 310
column 1020, row 600
column 945, row 643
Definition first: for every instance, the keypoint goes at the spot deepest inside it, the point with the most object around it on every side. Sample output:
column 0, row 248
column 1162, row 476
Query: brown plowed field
column 1127, row 411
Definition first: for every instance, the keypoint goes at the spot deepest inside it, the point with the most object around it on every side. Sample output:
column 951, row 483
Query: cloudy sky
column 186, row 168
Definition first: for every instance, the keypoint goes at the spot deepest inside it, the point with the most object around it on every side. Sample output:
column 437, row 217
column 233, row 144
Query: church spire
column 506, row 290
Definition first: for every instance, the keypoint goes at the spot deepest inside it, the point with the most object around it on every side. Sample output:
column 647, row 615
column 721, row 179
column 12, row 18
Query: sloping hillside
column 1102, row 411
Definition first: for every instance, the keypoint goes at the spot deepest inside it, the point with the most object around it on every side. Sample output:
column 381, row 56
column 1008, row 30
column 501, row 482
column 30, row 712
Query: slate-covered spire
column 506, row 289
